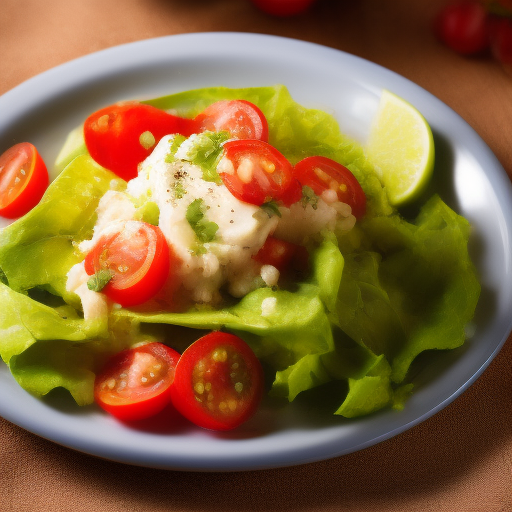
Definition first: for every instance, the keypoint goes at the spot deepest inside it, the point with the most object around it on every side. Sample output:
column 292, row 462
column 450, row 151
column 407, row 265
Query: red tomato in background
column 463, row 27
column 117, row 136
column 283, row 7
column 218, row 382
column 242, row 119
column 321, row 173
column 23, row 179
column 283, row 255
column 135, row 383
column 138, row 259
column 255, row 172
column 501, row 40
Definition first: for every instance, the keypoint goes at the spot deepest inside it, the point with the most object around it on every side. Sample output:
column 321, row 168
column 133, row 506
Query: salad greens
column 377, row 297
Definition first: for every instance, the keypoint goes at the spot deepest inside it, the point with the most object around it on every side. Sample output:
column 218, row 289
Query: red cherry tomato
column 283, row 255
column 242, row 119
column 501, row 40
column 23, row 180
column 121, row 136
column 136, row 383
column 463, row 27
column 138, row 259
column 218, row 383
column 321, row 173
column 255, row 172
column 283, row 7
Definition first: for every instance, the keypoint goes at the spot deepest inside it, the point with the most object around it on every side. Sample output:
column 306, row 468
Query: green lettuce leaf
column 56, row 364
column 24, row 321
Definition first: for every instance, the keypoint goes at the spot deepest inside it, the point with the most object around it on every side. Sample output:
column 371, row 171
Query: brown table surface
column 458, row 460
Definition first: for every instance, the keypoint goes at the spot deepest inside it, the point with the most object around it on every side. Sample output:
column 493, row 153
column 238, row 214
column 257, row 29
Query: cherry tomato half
column 283, row 7
column 121, row 136
column 283, row 255
column 463, row 27
column 218, row 382
column 242, row 119
column 23, row 179
column 255, row 172
column 138, row 259
column 321, row 174
column 136, row 383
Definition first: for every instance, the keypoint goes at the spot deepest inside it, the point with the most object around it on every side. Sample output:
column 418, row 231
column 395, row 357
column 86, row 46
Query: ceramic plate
column 468, row 176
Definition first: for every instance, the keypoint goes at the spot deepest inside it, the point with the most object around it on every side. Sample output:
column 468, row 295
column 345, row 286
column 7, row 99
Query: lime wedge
column 401, row 149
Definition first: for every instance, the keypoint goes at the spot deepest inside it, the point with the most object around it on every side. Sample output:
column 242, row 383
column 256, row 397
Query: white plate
column 468, row 176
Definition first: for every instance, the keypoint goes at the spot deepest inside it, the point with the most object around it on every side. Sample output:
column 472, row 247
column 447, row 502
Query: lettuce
column 376, row 298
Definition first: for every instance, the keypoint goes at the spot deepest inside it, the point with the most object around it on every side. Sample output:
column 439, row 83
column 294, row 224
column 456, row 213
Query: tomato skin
column 23, row 180
column 241, row 118
column 137, row 399
column 321, row 173
column 501, row 40
column 258, row 173
column 283, row 255
column 218, row 382
column 112, row 134
column 145, row 265
column 463, row 27
column 283, row 8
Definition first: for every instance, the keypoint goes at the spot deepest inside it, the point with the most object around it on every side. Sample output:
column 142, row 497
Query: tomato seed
column 245, row 170
column 268, row 167
column 219, row 355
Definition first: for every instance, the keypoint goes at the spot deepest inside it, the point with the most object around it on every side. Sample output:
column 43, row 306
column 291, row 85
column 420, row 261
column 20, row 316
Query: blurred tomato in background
column 283, row 7
column 477, row 28
column 500, row 38
column 464, row 27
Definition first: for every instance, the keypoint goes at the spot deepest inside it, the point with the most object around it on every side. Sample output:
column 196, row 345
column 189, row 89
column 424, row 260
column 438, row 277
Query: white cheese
column 94, row 304
column 242, row 227
column 114, row 209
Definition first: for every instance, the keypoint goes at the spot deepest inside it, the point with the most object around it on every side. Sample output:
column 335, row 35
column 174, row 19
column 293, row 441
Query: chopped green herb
column 204, row 229
column 271, row 208
column 147, row 140
column 174, row 143
column 179, row 189
column 148, row 212
column 198, row 249
column 99, row 280
column 205, row 151
column 309, row 197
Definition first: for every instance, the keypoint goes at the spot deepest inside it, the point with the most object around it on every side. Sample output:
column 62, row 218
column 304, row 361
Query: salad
column 230, row 233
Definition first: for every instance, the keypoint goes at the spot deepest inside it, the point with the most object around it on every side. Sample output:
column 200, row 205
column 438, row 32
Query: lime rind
column 401, row 149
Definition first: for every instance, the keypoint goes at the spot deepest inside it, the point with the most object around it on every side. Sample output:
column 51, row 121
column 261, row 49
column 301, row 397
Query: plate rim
column 386, row 76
